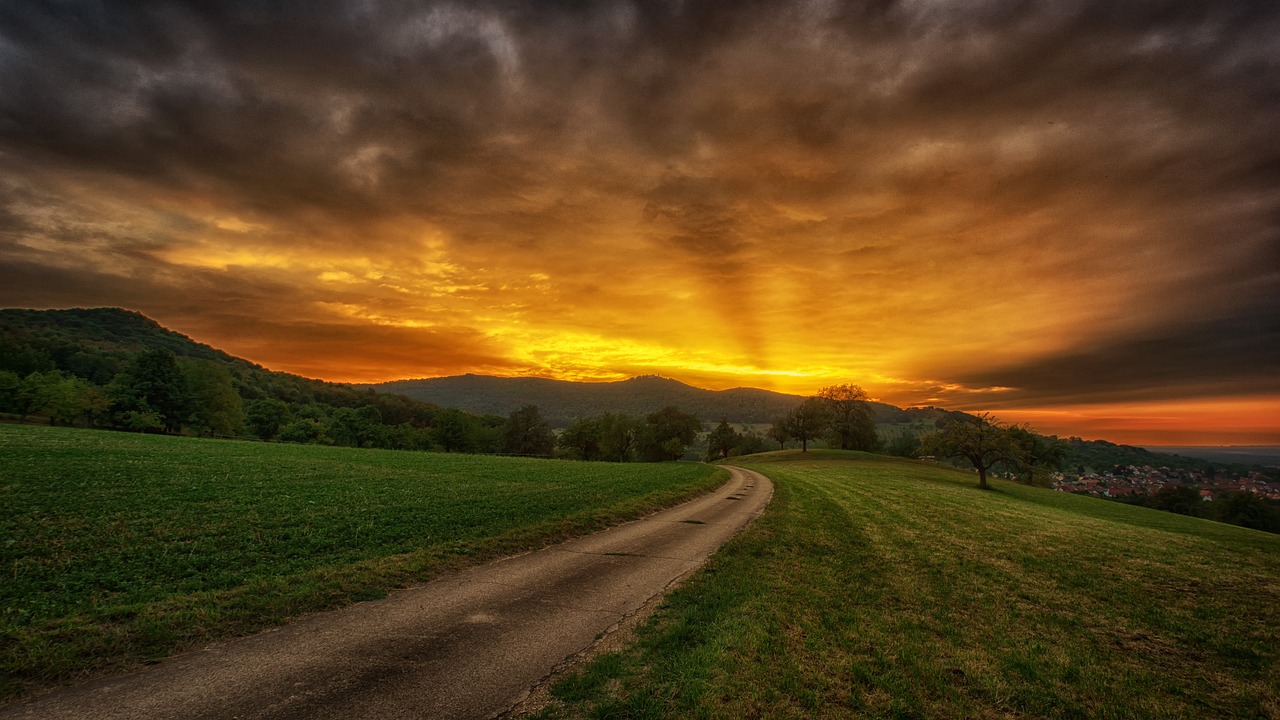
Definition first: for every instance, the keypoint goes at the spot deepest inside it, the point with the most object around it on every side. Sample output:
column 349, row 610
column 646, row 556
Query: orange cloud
column 1213, row 421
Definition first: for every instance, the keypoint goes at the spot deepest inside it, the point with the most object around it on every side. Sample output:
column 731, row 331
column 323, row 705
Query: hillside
column 563, row 401
column 96, row 343
column 90, row 342
column 876, row 587
column 74, row 360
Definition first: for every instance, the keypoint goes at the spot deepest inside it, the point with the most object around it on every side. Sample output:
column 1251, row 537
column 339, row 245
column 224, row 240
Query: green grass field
column 118, row 549
column 878, row 587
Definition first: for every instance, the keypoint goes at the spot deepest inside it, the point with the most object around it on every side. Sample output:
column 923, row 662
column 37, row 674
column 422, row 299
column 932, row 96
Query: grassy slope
column 876, row 587
column 119, row 548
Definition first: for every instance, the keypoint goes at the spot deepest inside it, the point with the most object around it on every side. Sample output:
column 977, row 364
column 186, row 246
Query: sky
column 1065, row 213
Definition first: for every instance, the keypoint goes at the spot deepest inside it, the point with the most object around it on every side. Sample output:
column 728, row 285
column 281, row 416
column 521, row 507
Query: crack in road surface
column 469, row 645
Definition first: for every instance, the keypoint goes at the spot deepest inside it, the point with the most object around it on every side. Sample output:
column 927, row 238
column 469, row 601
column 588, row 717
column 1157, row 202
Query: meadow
column 119, row 549
column 880, row 587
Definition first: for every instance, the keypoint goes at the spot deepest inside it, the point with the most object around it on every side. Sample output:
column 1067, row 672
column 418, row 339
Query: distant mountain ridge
column 563, row 401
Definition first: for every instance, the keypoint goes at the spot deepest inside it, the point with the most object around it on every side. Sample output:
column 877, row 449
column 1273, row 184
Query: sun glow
column 586, row 356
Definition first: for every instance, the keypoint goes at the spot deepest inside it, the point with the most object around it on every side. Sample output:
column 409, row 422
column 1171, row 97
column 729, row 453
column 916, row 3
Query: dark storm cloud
column 1237, row 355
column 240, row 102
column 280, row 106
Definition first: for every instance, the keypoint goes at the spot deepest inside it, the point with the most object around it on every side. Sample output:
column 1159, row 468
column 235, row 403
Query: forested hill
column 97, row 343
column 563, row 401
column 96, row 346
column 91, row 342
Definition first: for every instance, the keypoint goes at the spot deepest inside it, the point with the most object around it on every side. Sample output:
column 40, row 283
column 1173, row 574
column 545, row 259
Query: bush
column 140, row 421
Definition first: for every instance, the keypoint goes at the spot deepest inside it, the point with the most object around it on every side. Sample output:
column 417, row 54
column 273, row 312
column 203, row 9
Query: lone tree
column 982, row 440
column 807, row 422
column 619, row 435
column 850, row 417
column 722, row 440
column 780, row 432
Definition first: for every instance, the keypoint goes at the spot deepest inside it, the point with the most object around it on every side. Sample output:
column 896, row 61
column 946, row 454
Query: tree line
column 156, row 391
column 618, row 437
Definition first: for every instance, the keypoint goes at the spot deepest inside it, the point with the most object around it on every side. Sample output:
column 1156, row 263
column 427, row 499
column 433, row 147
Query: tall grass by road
column 116, row 549
column 877, row 587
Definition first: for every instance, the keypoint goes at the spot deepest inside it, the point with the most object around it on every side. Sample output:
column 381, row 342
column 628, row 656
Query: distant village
column 1137, row 480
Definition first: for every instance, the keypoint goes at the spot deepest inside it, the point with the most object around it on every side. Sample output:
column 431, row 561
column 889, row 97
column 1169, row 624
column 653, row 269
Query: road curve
column 466, row 646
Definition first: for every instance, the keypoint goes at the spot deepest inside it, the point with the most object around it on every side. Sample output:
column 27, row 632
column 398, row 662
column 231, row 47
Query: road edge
column 622, row 633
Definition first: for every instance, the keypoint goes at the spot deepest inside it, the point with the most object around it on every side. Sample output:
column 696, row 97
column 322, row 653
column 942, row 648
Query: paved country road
column 465, row 646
